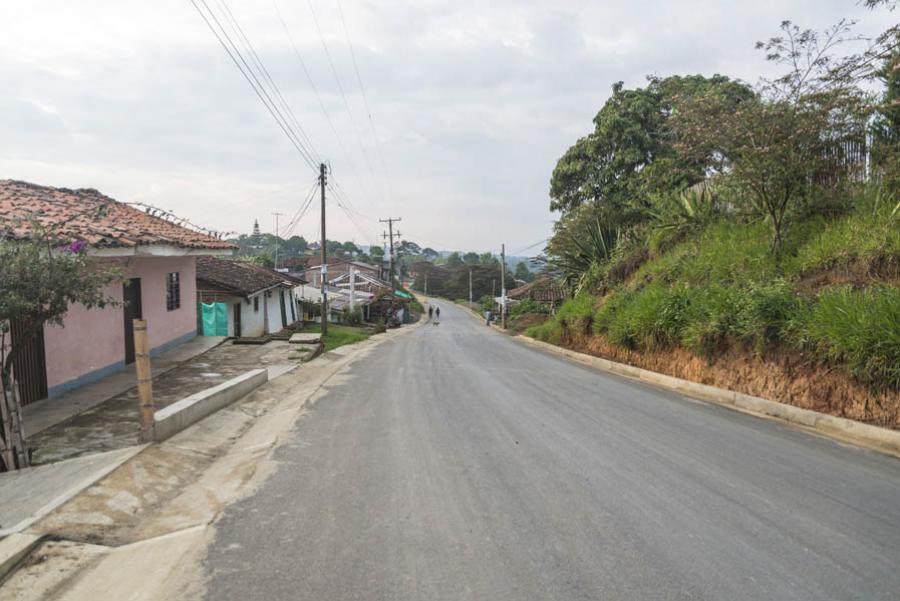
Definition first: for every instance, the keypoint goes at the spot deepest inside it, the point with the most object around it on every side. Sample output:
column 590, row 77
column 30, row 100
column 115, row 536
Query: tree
column 377, row 253
column 886, row 129
column 487, row 259
column 522, row 272
column 454, row 260
column 350, row 248
column 470, row 258
column 40, row 278
column 631, row 151
column 781, row 144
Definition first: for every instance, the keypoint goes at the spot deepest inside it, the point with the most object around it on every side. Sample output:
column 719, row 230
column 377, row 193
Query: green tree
column 522, row 272
column 454, row 260
column 470, row 258
column 631, row 153
column 40, row 278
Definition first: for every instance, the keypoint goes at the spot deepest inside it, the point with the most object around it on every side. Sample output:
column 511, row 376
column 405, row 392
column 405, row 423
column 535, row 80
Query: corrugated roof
column 86, row 214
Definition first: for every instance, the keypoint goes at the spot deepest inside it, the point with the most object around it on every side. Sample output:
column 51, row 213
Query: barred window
column 173, row 291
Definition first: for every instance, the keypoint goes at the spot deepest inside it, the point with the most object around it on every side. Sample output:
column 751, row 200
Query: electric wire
column 251, row 78
column 340, row 86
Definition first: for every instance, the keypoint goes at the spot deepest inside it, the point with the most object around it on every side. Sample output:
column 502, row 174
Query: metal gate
column 30, row 366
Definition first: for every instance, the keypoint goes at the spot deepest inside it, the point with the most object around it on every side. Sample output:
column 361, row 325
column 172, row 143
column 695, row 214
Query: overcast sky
column 473, row 102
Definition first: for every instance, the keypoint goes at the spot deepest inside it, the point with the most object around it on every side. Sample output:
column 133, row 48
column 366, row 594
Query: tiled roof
column 86, row 214
column 240, row 277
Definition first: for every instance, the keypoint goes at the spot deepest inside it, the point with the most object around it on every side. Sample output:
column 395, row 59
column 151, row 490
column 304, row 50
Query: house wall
column 91, row 342
column 274, row 303
column 252, row 322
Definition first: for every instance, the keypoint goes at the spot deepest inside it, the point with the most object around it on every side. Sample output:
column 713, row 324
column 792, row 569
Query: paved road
column 458, row 464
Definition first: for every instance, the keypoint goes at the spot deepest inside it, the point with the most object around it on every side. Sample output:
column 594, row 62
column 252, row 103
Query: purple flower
column 74, row 247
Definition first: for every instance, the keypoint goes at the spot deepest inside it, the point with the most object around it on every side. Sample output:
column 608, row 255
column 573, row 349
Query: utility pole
column 503, row 286
column 277, row 215
column 324, row 269
column 470, row 287
column 426, row 283
column 390, row 235
column 352, row 287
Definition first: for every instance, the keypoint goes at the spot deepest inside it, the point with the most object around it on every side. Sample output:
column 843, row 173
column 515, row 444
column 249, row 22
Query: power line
column 337, row 80
column 530, row 246
column 258, row 89
column 236, row 27
column 365, row 98
column 315, row 89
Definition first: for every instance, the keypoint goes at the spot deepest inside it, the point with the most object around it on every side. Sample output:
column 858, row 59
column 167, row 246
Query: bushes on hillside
column 856, row 328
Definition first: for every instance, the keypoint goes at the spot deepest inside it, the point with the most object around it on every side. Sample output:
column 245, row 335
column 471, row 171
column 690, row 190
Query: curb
column 863, row 435
column 15, row 548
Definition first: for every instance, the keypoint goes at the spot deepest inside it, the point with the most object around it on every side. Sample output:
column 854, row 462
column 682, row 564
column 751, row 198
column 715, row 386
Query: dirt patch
column 883, row 269
column 787, row 377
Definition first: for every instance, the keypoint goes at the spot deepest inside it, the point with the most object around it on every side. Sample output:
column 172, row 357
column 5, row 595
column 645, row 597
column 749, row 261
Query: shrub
column 857, row 328
column 549, row 331
column 352, row 317
column 527, row 306
column 631, row 320
column 870, row 233
column 577, row 314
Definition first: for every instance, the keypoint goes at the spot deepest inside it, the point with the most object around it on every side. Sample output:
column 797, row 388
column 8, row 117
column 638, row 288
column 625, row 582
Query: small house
column 157, row 258
column 241, row 299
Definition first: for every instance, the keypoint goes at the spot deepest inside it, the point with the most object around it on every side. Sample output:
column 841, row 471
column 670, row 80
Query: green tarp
column 402, row 294
column 213, row 319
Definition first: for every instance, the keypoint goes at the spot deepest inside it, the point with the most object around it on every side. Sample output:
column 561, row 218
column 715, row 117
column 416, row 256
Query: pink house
column 158, row 261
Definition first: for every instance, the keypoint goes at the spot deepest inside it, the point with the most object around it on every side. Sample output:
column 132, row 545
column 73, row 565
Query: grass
column 856, row 328
column 338, row 335
column 723, row 288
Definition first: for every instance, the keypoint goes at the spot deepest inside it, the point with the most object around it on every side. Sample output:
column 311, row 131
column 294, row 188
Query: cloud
column 473, row 102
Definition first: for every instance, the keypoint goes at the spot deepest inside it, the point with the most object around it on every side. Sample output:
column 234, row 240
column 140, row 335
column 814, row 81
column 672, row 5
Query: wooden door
column 237, row 319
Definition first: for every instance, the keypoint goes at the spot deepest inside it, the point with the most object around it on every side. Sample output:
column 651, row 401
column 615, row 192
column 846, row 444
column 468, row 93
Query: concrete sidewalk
column 114, row 423
column 29, row 494
column 40, row 415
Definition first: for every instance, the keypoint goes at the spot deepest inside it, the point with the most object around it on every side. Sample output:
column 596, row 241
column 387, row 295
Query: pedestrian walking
column 487, row 317
column 430, row 312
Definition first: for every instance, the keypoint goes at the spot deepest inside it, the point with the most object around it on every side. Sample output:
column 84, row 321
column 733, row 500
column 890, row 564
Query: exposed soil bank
column 778, row 376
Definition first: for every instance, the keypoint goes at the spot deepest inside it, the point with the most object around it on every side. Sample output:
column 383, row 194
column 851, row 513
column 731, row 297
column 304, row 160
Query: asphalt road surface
column 455, row 463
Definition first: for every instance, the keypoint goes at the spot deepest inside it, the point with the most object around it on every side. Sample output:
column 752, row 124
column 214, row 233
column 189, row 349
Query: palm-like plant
column 582, row 262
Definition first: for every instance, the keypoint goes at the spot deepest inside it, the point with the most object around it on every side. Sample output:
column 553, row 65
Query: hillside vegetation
column 744, row 236
column 833, row 294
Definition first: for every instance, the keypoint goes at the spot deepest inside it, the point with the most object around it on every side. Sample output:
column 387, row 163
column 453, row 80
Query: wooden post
column 144, row 381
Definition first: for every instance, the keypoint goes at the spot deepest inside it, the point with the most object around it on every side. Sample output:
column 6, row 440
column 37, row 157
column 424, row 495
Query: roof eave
column 158, row 250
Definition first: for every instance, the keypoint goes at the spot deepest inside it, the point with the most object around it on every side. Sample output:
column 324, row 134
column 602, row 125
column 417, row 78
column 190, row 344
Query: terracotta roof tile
column 88, row 215
column 240, row 277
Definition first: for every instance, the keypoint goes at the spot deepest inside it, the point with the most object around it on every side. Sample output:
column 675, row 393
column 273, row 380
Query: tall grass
column 856, row 328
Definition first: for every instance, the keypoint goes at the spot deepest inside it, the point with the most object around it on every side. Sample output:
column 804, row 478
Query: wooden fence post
column 144, row 381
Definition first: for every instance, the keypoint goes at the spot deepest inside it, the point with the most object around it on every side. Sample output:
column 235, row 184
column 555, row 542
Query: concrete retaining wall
column 190, row 410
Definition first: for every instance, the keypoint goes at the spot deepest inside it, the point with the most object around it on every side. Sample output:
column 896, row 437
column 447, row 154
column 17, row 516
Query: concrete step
column 305, row 338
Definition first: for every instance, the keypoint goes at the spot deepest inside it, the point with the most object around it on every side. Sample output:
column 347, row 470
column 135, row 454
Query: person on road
column 437, row 313
column 430, row 312
column 487, row 317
